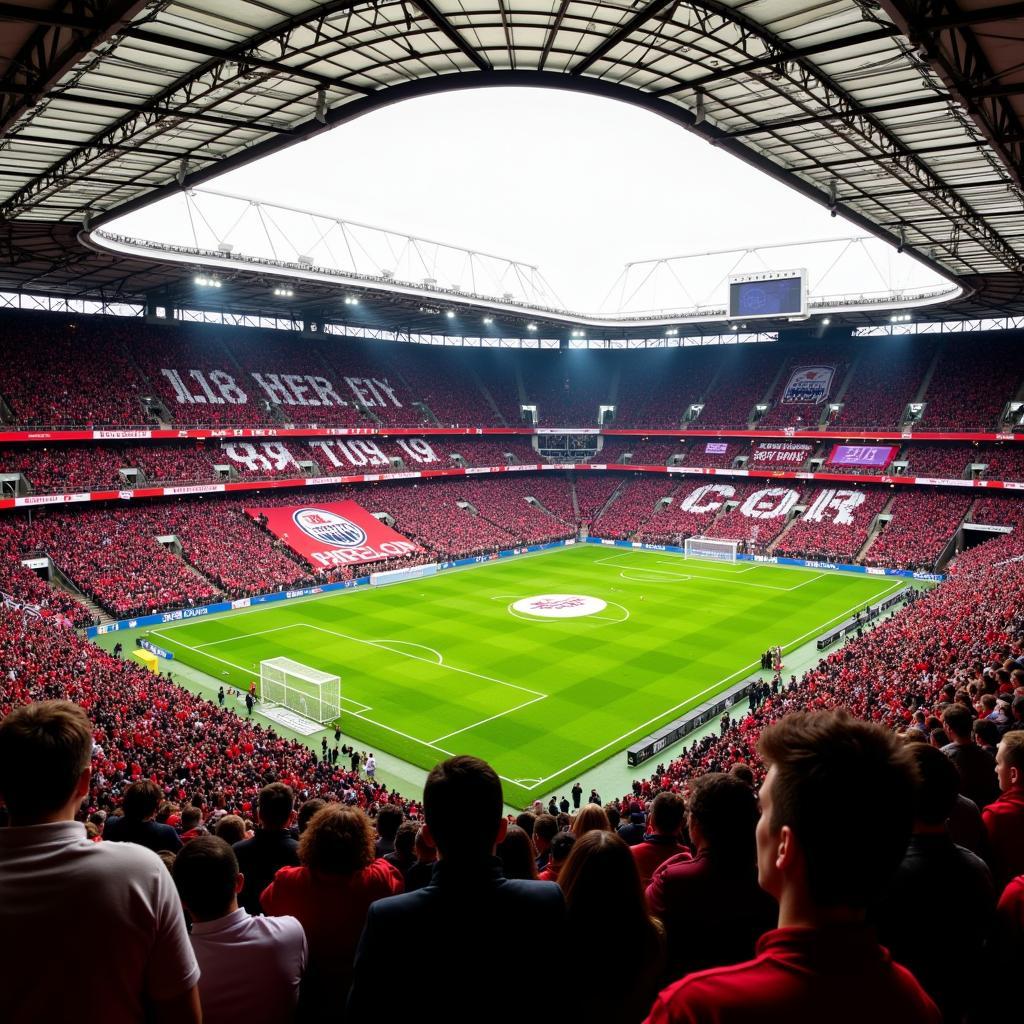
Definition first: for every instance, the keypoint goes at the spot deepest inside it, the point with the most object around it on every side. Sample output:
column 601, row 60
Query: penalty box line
column 713, row 687
column 433, row 744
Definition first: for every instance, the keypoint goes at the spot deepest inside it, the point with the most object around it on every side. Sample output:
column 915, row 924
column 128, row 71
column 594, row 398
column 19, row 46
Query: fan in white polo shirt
column 91, row 932
column 251, row 966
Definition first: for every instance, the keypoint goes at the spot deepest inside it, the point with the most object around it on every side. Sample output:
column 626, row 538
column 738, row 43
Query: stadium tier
column 127, row 373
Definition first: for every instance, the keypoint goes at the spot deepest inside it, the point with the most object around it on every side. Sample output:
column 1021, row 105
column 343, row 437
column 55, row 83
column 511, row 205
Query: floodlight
column 488, row 320
column 531, row 327
column 450, row 314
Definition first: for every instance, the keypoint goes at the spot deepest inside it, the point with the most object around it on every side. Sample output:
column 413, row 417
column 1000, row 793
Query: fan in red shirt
column 330, row 894
column 829, row 774
column 1004, row 819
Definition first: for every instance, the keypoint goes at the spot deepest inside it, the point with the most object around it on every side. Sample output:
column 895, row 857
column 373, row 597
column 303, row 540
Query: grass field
column 446, row 665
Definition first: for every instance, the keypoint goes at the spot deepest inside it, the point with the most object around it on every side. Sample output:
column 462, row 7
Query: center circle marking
column 559, row 606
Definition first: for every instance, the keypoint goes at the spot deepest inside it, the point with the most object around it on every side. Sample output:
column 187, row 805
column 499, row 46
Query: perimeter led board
column 768, row 294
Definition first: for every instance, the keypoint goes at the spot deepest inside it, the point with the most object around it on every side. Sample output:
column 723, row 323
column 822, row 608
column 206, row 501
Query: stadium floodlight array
column 714, row 550
column 306, row 691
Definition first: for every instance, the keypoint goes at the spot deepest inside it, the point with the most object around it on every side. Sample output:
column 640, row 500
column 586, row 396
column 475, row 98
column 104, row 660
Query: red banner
column 334, row 533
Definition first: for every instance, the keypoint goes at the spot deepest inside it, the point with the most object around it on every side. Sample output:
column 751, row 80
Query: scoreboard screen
column 773, row 296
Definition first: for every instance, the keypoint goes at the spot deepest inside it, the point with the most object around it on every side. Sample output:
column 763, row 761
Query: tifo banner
column 334, row 533
column 808, row 384
column 716, row 447
column 861, row 455
column 781, row 453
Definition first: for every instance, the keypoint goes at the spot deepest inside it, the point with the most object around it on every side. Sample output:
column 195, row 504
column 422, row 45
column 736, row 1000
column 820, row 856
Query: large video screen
column 781, row 297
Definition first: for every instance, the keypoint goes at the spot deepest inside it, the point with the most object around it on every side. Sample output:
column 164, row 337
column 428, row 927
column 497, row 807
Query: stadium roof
column 907, row 118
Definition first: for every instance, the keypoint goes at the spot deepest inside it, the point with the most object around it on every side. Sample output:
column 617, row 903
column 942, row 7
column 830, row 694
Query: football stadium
column 384, row 620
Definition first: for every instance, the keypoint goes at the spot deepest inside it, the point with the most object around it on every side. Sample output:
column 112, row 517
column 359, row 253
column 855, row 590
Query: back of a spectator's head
column 274, row 805
column 206, row 875
column 405, row 838
column 831, row 777
column 592, row 817
column 600, row 863
column 722, row 810
column 986, row 732
column 45, row 750
column 526, row 821
column 389, row 818
column 545, row 828
column 614, row 816
column 462, row 806
column 338, row 840
column 938, row 738
column 743, row 772
column 230, row 828
column 1010, row 761
column 561, row 847
column 957, row 721
column 191, row 817
column 306, row 812
column 937, row 786
column 141, row 799
column 667, row 813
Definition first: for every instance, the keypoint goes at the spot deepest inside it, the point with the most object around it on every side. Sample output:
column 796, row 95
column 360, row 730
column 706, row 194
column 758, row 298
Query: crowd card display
column 862, row 455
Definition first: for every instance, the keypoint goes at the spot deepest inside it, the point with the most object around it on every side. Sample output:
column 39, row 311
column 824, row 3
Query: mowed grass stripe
column 606, row 683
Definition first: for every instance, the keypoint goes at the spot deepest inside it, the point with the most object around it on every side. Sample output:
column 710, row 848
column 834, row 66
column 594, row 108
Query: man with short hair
column 251, row 966
column 91, row 932
column 710, row 904
column 662, row 839
column 976, row 766
column 459, row 939
column 139, row 805
column 634, row 828
column 389, row 819
column 270, row 848
column 928, row 934
column 829, row 774
column 545, row 828
column 561, row 847
column 1004, row 819
column 577, row 795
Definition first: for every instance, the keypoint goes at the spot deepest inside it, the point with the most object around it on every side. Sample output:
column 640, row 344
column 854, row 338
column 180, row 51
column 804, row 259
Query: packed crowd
column 906, row 744
column 829, row 540
column 923, row 522
column 97, row 371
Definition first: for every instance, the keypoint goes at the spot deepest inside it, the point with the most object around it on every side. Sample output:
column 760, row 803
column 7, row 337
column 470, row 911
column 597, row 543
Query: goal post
column 307, row 691
column 713, row 549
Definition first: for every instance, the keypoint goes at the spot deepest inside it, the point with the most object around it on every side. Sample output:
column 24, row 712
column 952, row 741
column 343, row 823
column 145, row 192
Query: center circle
column 559, row 606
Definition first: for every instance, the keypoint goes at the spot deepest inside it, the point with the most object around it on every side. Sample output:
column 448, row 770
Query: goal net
column 715, row 550
column 304, row 690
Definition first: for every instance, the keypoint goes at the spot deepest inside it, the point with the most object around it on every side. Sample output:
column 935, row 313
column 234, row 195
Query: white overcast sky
column 576, row 184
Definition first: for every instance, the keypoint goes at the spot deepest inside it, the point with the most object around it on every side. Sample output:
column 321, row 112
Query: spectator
column 611, row 934
column 58, row 892
column 423, row 869
column 662, row 841
column 403, row 856
column 192, row 824
column 939, row 940
column 306, row 812
column 545, row 828
column 1007, row 953
column 330, row 893
column 1004, row 819
column 710, row 904
column 561, row 847
column 250, row 966
column 829, row 774
column 136, row 824
column 389, row 818
column 632, row 832
column 516, row 854
column 230, row 828
column 976, row 766
column 592, row 817
column 270, row 848
column 470, row 929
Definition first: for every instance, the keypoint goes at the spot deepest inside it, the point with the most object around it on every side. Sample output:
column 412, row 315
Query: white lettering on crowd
column 226, row 388
column 769, row 503
column 268, row 455
column 418, row 450
column 371, row 391
column 354, row 453
column 692, row 502
column 842, row 503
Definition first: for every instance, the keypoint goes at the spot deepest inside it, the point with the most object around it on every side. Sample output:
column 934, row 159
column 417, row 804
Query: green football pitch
column 449, row 664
